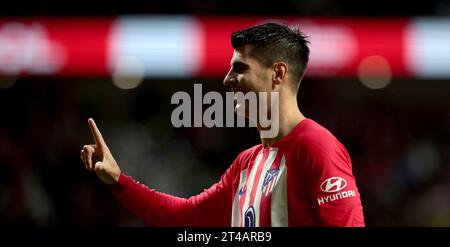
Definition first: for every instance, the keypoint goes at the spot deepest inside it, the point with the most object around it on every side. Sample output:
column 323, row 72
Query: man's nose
column 229, row 80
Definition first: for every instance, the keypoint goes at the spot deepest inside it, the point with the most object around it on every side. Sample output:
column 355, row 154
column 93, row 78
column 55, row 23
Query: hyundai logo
column 333, row 184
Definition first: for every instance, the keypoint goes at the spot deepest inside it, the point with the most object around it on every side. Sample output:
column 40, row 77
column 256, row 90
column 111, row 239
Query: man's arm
column 210, row 208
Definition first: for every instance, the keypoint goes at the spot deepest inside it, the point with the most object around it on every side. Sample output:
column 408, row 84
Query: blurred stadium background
column 379, row 79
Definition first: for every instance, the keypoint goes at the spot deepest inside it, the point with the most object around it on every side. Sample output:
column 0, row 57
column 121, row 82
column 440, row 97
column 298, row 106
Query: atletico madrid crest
column 270, row 180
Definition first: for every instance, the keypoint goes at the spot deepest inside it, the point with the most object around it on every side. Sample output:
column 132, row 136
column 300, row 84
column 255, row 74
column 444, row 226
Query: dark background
column 398, row 136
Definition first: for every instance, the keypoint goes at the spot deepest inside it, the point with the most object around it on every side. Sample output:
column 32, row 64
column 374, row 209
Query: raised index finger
column 98, row 138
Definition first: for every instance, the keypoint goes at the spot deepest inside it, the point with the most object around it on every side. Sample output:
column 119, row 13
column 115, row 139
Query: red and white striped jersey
column 253, row 200
column 305, row 179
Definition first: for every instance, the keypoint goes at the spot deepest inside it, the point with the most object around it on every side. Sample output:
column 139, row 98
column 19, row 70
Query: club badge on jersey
column 270, row 180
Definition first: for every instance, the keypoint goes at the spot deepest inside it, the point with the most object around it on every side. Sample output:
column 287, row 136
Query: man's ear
column 280, row 70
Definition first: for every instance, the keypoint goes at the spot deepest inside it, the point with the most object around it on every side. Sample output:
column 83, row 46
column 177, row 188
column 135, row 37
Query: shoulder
column 318, row 145
column 313, row 137
column 249, row 154
column 242, row 161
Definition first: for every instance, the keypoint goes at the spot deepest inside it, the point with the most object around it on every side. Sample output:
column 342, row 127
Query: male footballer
column 300, row 177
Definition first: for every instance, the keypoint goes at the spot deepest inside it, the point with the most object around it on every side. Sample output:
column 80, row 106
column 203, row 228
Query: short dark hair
column 273, row 42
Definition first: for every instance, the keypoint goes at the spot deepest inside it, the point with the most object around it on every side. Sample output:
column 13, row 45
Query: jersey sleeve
column 330, row 184
column 212, row 207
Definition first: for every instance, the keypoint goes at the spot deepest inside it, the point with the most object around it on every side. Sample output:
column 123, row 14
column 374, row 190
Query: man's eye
column 239, row 69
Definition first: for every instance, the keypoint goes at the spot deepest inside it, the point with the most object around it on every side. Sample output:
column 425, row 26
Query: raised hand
column 97, row 157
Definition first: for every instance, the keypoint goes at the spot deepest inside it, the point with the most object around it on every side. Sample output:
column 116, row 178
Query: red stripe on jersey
column 265, row 204
column 258, row 176
column 242, row 196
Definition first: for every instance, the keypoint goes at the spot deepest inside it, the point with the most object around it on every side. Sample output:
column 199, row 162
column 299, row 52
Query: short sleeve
column 330, row 184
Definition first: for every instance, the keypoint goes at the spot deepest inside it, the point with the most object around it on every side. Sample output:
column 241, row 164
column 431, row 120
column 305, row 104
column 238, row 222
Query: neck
column 290, row 116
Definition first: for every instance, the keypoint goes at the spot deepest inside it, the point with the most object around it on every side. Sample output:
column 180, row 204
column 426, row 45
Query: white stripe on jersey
column 279, row 206
column 236, row 212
